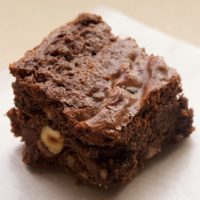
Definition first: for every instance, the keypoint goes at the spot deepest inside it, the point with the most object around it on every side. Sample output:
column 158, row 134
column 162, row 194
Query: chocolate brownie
column 94, row 104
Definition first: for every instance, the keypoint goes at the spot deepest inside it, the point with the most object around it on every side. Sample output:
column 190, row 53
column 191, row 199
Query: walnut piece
column 152, row 151
column 71, row 161
column 52, row 140
column 104, row 174
column 84, row 175
column 49, row 115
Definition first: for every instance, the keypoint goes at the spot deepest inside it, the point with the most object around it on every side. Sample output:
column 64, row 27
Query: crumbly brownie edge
column 152, row 143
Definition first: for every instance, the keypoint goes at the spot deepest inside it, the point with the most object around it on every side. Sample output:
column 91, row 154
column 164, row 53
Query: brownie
column 94, row 104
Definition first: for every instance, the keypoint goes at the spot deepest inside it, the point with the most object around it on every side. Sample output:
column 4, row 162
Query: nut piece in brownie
column 95, row 104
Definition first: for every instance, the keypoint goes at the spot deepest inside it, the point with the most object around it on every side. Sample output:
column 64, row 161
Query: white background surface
column 174, row 174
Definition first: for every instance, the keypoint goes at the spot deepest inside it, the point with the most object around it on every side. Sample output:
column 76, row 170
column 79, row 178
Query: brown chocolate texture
column 95, row 104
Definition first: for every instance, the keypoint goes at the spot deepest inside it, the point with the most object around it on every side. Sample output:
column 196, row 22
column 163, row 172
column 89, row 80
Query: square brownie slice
column 94, row 104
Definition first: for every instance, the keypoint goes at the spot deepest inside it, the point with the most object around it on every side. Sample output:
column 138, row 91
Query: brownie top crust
column 100, row 80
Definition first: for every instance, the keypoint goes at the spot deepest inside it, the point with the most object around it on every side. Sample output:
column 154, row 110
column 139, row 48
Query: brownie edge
column 94, row 104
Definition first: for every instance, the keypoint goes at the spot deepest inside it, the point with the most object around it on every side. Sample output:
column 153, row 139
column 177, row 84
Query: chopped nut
column 84, row 175
column 43, row 149
column 152, row 151
column 49, row 115
column 71, row 161
column 52, row 140
column 104, row 174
